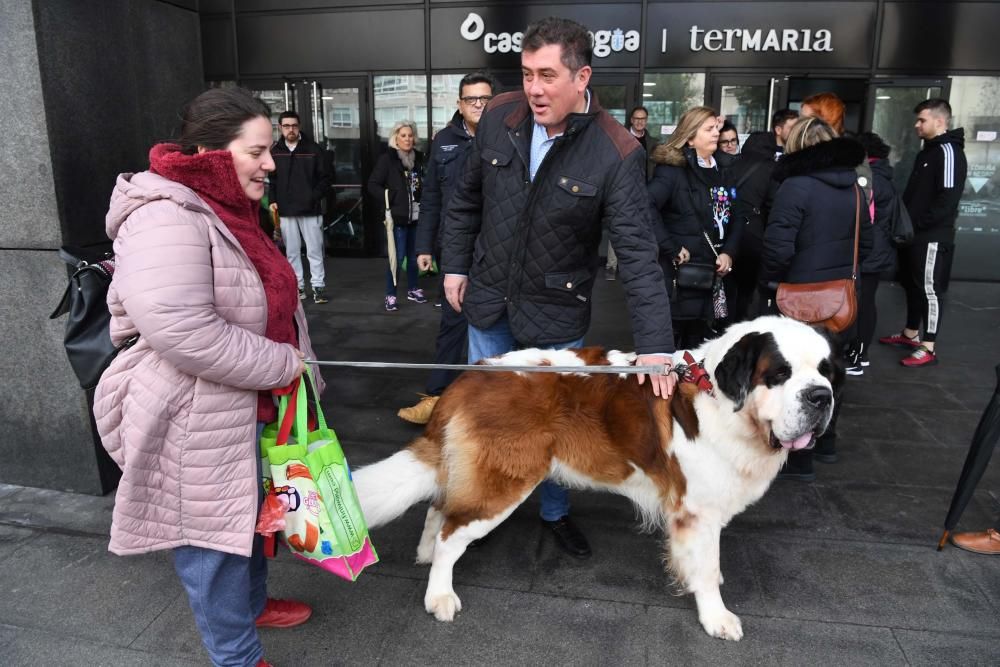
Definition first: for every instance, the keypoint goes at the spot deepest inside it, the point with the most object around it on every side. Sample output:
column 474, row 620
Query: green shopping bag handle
column 320, row 418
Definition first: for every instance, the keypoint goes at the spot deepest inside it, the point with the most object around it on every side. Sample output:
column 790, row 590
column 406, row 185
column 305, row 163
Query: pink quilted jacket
column 177, row 411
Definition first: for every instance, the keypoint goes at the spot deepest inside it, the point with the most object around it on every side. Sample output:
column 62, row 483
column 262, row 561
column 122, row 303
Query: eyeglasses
column 481, row 99
column 290, row 127
column 729, row 142
column 640, row 118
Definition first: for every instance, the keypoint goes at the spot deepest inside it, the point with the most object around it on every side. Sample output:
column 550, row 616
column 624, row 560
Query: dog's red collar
column 694, row 372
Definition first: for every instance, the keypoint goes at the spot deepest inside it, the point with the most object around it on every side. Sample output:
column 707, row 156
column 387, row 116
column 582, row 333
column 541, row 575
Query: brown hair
column 216, row 117
column 830, row 108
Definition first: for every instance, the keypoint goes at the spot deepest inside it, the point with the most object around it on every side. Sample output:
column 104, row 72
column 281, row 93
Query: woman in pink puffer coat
column 215, row 306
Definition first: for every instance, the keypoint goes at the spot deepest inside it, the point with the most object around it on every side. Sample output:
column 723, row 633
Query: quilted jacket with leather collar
column 530, row 248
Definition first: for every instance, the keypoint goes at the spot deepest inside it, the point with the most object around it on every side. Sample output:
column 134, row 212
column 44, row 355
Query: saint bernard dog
column 689, row 463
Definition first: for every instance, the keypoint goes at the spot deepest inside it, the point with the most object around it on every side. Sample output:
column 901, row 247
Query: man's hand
column 454, row 290
column 425, row 262
column 663, row 385
column 273, row 207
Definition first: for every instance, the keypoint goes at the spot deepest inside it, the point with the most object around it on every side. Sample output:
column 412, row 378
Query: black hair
column 935, row 105
column 628, row 120
column 216, row 117
column 874, row 145
column 473, row 78
column 728, row 127
column 288, row 114
column 782, row 116
column 577, row 51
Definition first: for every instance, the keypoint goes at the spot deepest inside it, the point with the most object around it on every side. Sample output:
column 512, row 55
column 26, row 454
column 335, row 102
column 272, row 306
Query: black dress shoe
column 568, row 537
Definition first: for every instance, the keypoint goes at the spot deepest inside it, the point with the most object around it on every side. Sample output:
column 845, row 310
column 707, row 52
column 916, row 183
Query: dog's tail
column 388, row 488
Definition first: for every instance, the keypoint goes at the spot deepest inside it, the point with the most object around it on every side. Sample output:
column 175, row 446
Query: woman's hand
column 723, row 264
column 302, row 364
column 683, row 256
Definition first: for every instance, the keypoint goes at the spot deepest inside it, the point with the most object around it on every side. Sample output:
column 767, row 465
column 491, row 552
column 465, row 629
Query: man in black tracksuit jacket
column 447, row 159
column 931, row 197
column 520, row 242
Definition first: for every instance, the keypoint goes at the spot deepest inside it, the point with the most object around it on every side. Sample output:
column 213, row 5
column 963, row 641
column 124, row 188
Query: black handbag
column 88, row 328
column 694, row 276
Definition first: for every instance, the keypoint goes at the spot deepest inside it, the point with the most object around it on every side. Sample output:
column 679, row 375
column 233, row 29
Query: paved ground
column 842, row 571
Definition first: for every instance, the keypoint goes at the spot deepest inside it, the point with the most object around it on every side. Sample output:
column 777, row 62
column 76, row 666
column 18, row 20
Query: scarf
column 408, row 158
column 212, row 176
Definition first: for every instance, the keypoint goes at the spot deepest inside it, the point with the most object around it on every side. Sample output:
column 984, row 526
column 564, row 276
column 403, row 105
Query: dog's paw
column 425, row 553
column 444, row 607
column 724, row 625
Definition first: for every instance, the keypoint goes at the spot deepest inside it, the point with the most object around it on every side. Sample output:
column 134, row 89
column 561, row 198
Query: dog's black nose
column 819, row 397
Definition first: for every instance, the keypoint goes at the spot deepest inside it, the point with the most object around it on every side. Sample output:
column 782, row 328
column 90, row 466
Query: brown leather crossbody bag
column 832, row 303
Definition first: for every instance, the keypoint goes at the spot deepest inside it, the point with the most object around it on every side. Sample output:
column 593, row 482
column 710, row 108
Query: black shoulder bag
column 88, row 328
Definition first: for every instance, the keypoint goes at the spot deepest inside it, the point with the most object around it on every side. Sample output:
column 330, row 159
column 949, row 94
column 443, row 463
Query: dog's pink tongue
column 798, row 443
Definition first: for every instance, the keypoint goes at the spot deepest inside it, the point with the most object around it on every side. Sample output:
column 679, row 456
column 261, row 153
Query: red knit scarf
column 212, row 176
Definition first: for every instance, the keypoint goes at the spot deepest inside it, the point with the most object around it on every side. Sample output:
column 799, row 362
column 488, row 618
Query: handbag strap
column 711, row 247
column 857, row 230
column 387, row 199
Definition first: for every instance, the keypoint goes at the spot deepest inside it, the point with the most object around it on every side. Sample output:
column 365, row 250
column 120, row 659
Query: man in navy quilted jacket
column 548, row 168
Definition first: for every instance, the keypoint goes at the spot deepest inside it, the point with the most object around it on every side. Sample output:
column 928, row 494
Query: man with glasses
column 447, row 159
column 299, row 183
column 548, row 168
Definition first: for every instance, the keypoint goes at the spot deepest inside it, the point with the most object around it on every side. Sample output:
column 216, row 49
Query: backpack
column 88, row 328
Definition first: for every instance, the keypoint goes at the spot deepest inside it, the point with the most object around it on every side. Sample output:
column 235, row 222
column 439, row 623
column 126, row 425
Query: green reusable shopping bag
column 323, row 522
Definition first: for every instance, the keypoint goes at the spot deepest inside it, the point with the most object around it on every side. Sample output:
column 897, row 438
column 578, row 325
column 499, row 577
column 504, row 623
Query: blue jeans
column 227, row 593
column 406, row 248
column 496, row 340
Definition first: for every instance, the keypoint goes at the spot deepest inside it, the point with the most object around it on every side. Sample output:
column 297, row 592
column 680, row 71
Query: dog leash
column 659, row 369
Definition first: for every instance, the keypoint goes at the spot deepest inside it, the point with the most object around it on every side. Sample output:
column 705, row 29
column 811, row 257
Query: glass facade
column 975, row 103
column 400, row 97
column 667, row 96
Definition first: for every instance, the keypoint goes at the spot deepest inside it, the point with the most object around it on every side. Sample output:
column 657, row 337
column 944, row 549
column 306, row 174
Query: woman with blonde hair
column 810, row 231
column 691, row 190
column 400, row 170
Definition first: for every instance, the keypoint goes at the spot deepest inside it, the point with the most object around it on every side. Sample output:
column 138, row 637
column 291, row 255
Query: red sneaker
column 900, row 340
column 283, row 614
column 920, row 357
column 264, row 663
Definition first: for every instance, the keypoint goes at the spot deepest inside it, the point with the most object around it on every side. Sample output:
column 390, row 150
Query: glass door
column 891, row 117
column 615, row 92
column 337, row 108
column 747, row 101
column 279, row 95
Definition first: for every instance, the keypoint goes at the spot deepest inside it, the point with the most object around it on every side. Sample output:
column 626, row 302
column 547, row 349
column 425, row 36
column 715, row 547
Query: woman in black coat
column 882, row 257
column 691, row 191
column 400, row 170
column 810, row 233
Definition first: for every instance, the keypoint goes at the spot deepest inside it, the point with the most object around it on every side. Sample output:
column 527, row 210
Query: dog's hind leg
column 432, row 526
column 694, row 556
column 449, row 545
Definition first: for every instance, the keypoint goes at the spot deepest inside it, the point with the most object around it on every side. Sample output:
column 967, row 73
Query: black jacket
column 389, row 173
column 761, row 144
column 448, row 152
column 935, row 187
column 530, row 247
column 300, row 179
column 810, row 232
column 883, row 253
column 680, row 193
column 751, row 176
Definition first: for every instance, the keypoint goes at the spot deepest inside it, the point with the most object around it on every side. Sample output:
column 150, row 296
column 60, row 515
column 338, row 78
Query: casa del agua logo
column 606, row 42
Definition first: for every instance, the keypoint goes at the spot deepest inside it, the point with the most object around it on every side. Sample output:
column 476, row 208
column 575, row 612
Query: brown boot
column 421, row 412
column 983, row 542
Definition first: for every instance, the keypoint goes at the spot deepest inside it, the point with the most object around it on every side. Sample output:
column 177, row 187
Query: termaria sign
column 760, row 40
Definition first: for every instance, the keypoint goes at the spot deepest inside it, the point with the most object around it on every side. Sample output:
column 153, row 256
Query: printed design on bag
column 289, row 495
column 341, row 510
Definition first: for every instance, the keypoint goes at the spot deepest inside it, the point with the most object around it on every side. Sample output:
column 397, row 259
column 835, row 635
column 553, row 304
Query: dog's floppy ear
column 735, row 372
